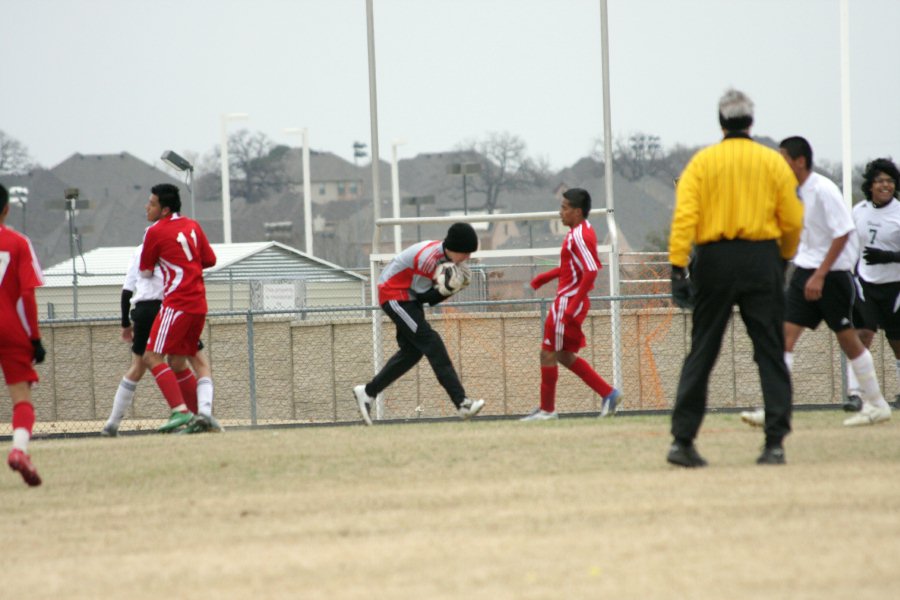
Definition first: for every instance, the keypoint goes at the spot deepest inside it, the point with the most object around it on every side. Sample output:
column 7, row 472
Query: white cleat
column 540, row 415
column 869, row 415
column 755, row 418
column 469, row 408
column 364, row 402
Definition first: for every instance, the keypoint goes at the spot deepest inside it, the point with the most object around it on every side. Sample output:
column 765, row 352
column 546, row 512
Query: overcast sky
column 144, row 76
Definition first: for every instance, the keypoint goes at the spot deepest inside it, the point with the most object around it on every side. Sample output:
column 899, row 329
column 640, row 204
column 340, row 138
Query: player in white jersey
column 878, row 227
column 822, row 286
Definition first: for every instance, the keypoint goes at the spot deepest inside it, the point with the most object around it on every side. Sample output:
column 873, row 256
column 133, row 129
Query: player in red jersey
column 20, row 338
column 179, row 247
column 563, row 338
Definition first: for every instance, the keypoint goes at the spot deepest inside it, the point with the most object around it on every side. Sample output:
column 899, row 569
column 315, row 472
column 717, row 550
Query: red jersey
column 20, row 273
column 411, row 271
column 578, row 262
column 178, row 245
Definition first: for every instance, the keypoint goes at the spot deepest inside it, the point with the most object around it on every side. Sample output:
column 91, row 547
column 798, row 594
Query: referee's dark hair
column 4, row 197
column 169, row 196
column 796, row 146
column 880, row 165
column 579, row 198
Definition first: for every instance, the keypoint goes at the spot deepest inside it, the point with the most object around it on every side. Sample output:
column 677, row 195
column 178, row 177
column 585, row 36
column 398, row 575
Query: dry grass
column 578, row 508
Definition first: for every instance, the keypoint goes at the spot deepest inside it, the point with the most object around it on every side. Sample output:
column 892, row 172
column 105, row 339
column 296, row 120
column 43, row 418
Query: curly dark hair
column 880, row 165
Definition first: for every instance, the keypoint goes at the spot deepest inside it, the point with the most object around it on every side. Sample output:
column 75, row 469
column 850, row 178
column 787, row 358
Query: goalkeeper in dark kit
column 425, row 273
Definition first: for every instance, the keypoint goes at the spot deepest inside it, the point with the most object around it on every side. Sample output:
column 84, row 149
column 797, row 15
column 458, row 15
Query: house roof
column 246, row 261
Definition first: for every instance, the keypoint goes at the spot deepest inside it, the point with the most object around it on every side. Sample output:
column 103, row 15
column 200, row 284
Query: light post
column 395, row 191
column 307, row 189
column 419, row 201
column 464, row 169
column 226, row 182
column 181, row 164
column 19, row 195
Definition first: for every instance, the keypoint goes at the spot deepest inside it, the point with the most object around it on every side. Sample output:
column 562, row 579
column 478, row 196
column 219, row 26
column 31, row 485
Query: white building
column 257, row 275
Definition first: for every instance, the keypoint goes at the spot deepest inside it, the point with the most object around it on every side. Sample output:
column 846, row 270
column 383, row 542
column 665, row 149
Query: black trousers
column 416, row 338
column 751, row 275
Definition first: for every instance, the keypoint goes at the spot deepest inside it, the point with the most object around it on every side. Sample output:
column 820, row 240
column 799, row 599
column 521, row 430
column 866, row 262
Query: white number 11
column 184, row 243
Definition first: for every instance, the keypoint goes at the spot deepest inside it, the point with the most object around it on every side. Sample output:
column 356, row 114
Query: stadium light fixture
column 181, row 164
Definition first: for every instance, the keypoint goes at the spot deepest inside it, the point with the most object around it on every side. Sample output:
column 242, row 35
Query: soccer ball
column 449, row 278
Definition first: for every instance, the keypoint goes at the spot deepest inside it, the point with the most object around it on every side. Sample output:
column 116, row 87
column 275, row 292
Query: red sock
column 549, row 375
column 581, row 368
column 168, row 385
column 23, row 416
column 187, row 383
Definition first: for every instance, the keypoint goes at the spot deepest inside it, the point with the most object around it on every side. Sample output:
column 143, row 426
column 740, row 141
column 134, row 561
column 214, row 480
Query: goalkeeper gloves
column 877, row 256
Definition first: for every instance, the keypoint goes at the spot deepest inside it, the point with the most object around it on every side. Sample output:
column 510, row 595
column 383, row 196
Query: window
column 341, row 189
column 321, row 190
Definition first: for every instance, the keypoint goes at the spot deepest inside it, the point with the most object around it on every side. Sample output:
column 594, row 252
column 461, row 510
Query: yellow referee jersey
column 736, row 189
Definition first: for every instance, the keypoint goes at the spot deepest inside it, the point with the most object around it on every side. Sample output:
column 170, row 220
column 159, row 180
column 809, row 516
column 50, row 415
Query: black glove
column 682, row 292
column 39, row 353
column 432, row 297
column 877, row 256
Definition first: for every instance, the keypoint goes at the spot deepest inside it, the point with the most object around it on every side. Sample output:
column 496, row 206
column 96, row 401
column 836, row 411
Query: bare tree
column 504, row 167
column 14, row 157
column 256, row 165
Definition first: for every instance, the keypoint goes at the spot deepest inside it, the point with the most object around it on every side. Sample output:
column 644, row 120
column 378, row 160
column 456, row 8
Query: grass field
column 578, row 508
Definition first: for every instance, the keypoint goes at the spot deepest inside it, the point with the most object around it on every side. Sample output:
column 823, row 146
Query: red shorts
column 175, row 332
column 16, row 364
column 559, row 336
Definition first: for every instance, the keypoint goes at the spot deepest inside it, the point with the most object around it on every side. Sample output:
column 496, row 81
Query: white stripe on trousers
column 410, row 322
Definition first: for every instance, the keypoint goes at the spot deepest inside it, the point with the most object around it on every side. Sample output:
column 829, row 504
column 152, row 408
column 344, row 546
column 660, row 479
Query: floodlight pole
column 226, row 180
column 616, row 308
column 307, row 190
column 19, row 195
column 395, row 192
column 376, row 200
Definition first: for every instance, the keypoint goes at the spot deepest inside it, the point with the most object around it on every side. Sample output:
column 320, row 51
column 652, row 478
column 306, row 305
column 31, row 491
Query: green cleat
column 202, row 424
column 176, row 420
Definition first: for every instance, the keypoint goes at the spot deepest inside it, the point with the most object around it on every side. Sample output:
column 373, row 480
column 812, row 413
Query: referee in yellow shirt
column 737, row 204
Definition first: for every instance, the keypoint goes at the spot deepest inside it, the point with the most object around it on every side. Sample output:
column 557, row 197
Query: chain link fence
column 298, row 365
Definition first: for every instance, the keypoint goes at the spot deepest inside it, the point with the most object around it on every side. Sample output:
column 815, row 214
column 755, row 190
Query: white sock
column 122, row 401
column 864, row 367
column 20, row 439
column 789, row 361
column 205, row 396
column 852, row 383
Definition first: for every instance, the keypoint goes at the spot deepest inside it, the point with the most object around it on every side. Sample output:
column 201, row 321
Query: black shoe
column 852, row 403
column 771, row 455
column 685, row 456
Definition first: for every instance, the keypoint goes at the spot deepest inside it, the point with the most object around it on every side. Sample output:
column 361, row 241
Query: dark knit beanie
column 461, row 237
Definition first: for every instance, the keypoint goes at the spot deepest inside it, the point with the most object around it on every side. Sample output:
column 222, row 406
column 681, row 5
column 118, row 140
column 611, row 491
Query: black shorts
column 835, row 306
column 142, row 316
column 880, row 308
